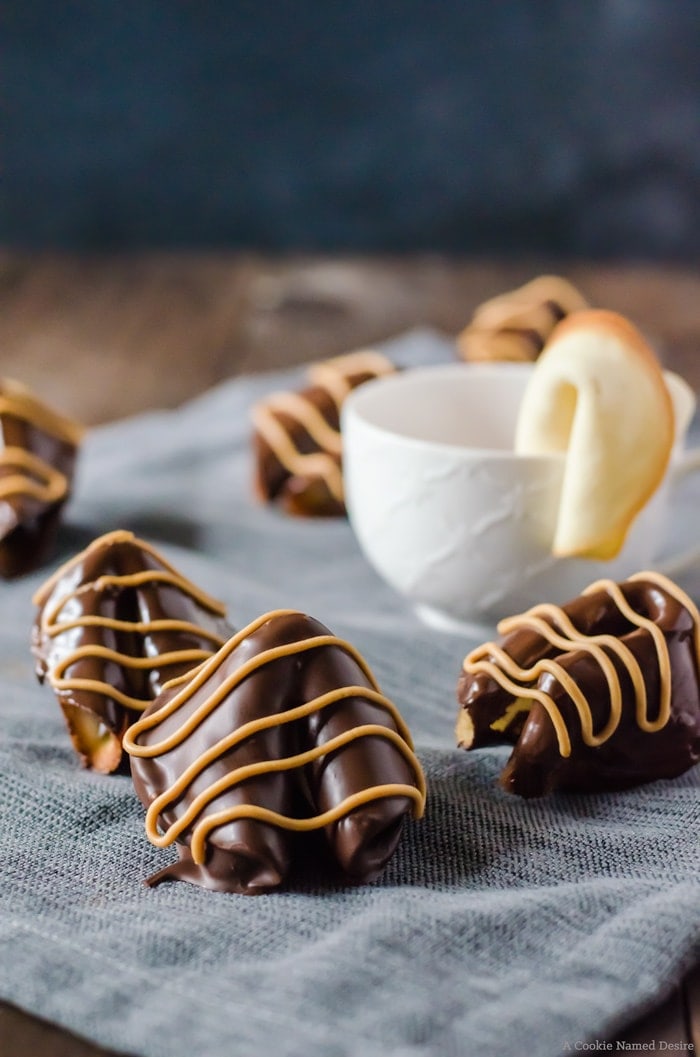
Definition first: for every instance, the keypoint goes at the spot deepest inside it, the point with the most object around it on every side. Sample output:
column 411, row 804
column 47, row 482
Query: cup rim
column 354, row 401
column 353, row 407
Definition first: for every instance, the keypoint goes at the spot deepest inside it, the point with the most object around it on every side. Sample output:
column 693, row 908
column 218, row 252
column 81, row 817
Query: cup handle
column 684, row 559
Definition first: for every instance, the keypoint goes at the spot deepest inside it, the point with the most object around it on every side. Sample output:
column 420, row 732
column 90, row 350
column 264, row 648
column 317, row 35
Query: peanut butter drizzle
column 36, row 477
column 516, row 325
column 332, row 376
column 534, row 303
column 18, row 401
column 52, row 626
column 400, row 738
column 314, row 464
column 308, row 415
column 39, row 480
column 490, row 659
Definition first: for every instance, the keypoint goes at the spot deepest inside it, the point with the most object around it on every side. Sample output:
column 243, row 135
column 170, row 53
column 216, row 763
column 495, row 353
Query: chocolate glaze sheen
column 271, row 475
column 246, row 856
column 631, row 755
column 28, row 525
column 282, row 476
column 272, row 675
column 364, row 840
column 92, row 590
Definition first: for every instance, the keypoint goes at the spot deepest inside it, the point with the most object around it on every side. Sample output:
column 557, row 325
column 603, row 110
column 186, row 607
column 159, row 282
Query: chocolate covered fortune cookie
column 516, row 325
column 599, row 694
column 297, row 439
column 282, row 733
column 114, row 623
column 38, row 451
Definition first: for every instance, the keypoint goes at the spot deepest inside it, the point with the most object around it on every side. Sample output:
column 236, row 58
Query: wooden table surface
column 104, row 337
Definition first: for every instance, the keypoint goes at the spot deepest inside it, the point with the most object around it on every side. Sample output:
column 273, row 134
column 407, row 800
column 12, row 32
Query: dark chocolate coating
column 149, row 601
column 28, row 526
column 631, row 756
column 363, row 841
column 251, row 856
column 245, row 855
column 271, row 476
column 301, row 494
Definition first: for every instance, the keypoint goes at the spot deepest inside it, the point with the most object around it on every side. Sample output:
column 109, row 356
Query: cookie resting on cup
column 599, row 694
column 280, row 735
column 591, row 398
column 114, row 623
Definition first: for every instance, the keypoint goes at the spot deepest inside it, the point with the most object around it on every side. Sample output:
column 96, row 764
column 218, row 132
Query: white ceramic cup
column 453, row 519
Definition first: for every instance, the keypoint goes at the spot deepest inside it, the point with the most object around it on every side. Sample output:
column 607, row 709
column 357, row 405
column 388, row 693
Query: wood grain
column 691, row 994
column 22, row 1035
column 104, row 337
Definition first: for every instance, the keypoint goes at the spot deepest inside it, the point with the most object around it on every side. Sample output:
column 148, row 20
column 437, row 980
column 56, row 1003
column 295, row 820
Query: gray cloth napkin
column 500, row 927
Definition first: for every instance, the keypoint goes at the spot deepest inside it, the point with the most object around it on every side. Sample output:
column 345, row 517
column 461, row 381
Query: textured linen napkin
column 500, row 927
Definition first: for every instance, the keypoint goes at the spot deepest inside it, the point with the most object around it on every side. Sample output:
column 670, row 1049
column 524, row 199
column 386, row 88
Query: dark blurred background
column 569, row 127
